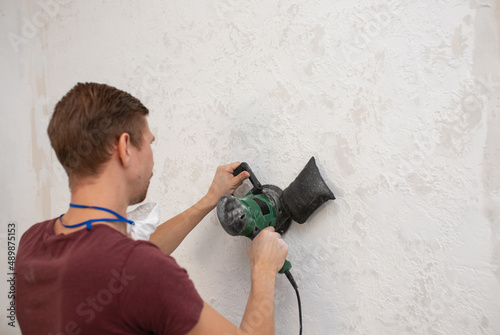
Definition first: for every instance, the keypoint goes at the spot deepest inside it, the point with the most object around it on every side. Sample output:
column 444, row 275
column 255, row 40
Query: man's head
column 87, row 124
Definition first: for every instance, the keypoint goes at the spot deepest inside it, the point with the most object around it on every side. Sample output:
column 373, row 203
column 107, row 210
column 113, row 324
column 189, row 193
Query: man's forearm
column 267, row 254
column 171, row 233
column 259, row 312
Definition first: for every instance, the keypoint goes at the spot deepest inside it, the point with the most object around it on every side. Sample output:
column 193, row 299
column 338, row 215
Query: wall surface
column 399, row 101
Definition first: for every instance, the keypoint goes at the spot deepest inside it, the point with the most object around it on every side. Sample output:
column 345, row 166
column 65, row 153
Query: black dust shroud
column 306, row 193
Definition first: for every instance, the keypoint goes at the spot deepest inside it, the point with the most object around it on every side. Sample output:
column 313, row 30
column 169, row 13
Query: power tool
column 268, row 205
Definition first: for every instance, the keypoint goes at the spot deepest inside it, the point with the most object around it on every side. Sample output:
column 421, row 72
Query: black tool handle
column 257, row 187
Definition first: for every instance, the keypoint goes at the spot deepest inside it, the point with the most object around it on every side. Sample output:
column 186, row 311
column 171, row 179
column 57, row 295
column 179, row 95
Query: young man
column 81, row 274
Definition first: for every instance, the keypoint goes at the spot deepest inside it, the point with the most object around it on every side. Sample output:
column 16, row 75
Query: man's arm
column 171, row 233
column 267, row 254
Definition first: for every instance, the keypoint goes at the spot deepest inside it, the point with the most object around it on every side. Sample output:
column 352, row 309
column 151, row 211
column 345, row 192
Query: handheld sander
column 268, row 205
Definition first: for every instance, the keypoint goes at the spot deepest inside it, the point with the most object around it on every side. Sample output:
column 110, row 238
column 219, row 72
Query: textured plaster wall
column 397, row 100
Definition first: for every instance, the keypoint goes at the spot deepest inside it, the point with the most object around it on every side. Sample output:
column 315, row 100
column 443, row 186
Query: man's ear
column 123, row 149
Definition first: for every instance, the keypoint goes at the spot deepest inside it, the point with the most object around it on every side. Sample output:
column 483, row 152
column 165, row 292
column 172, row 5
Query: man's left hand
column 225, row 182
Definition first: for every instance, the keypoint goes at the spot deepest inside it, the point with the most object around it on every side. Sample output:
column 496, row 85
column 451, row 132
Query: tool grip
column 257, row 187
column 287, row 266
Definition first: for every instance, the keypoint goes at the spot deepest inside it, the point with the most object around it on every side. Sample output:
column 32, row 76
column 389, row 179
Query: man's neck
column 99, row 194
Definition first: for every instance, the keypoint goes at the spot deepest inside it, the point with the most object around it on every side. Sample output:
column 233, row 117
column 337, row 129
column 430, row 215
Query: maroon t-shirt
column 99, row 281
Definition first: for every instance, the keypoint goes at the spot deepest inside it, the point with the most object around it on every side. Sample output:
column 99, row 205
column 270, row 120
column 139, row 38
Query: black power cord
column 296, row 288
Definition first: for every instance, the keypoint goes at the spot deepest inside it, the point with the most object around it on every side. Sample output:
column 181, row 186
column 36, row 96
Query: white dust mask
column 146, row 218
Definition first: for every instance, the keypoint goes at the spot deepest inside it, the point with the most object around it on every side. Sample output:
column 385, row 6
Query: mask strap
column 88, row 223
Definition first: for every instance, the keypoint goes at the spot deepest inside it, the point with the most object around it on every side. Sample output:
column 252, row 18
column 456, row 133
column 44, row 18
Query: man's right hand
column 267, row 255
column 267, row 252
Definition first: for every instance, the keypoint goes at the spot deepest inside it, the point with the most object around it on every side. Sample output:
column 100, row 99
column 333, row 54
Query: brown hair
column 88, row 121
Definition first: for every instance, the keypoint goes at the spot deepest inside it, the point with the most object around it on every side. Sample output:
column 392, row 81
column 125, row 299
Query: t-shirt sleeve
column 158, row 295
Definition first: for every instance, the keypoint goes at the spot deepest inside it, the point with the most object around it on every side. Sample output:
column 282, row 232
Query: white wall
column 398, row 101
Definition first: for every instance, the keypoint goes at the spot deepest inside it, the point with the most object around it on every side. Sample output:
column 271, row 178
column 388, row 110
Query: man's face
column 144, row 163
